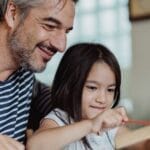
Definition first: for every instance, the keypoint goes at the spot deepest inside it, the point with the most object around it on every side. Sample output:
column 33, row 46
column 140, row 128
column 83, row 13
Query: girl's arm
column 127, row 137
column 51, row 136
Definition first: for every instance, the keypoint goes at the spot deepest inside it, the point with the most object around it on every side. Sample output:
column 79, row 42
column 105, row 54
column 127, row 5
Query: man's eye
column 67, row 31
column 49, row 27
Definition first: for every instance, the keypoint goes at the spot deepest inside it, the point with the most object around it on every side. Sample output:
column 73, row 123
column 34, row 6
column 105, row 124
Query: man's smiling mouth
column 47, row 52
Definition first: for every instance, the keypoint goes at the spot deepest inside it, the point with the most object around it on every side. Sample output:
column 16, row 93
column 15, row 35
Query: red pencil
column 138, row 122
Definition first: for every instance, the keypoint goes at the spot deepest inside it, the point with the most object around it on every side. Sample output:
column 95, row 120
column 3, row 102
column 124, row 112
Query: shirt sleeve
column 59, row 116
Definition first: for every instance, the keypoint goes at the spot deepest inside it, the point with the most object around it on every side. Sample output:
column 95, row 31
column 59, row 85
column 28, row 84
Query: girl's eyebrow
column 92, row 81
column 95, row 82
column 114, row 85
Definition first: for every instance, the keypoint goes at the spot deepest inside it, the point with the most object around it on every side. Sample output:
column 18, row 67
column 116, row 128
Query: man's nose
column 59, row 41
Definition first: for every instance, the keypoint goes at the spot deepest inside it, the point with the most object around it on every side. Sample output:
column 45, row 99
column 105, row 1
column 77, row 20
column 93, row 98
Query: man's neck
column 7, row 67
column 5, row 74
column 7, row 63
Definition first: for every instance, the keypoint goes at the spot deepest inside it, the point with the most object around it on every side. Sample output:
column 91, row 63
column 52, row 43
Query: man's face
column 36, row 39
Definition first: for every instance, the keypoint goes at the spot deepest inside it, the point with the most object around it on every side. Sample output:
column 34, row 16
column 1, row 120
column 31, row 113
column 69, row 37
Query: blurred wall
column 140, row 71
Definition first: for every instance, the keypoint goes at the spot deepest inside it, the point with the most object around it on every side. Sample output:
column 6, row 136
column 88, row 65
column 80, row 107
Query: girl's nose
column 101, row 98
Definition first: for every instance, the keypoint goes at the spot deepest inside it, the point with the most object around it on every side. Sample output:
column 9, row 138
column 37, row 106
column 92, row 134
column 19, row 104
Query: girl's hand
column 109, row 119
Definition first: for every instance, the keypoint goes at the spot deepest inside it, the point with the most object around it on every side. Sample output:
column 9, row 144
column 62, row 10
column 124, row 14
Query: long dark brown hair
column 72, row 73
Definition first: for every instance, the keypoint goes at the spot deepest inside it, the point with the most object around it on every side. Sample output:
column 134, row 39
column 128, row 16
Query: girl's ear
column 11, row 14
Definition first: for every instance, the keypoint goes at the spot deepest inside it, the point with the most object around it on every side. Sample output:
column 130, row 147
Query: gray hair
column 23, row 5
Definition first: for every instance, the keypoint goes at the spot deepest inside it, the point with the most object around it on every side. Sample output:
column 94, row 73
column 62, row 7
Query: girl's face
column 98, row 91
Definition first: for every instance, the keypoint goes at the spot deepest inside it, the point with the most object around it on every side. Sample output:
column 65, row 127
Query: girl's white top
column 105, row 141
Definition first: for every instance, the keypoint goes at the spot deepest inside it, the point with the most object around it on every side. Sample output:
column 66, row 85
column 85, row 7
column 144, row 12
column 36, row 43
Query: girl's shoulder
column 59, row 116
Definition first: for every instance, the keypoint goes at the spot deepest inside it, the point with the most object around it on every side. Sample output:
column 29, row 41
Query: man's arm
column 7, row 143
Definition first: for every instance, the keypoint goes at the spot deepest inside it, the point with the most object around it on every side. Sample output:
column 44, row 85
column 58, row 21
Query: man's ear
column 11, row 14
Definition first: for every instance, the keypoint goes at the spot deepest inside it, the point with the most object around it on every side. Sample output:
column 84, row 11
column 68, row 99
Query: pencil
column 138, row 122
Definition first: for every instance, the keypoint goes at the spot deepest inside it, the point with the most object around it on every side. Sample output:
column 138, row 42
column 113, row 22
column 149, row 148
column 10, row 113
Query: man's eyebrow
column 51, row 19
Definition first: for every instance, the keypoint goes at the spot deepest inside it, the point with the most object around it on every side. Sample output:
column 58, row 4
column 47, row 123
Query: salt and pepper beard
column 21, row 54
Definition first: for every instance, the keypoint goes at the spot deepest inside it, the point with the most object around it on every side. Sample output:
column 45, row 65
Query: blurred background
column 107, row 22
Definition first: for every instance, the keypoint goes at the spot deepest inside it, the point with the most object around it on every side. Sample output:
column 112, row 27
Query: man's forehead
column 56, row 7
column 55, row 3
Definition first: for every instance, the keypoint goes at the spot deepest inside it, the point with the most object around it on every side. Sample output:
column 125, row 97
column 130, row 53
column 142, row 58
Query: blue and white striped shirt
column 15, row 99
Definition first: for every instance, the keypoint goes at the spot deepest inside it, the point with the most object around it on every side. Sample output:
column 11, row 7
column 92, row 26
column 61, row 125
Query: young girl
column 85, row 91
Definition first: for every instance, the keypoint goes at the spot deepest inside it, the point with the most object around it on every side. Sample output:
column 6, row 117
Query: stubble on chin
column 21, row 55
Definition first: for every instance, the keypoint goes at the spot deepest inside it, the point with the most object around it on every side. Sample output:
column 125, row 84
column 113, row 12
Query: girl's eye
column 111, row 90
column 91, row 87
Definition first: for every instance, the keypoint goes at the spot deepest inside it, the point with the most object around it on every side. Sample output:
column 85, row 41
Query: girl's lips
column 98, row 107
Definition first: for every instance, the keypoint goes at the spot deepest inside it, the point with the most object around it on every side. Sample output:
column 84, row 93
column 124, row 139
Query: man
column 31, row 32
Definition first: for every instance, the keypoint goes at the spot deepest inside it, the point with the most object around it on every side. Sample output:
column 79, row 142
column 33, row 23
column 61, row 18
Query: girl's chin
column 94, row 114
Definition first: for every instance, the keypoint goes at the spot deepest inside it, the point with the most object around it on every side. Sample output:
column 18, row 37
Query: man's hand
column 7, row 143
